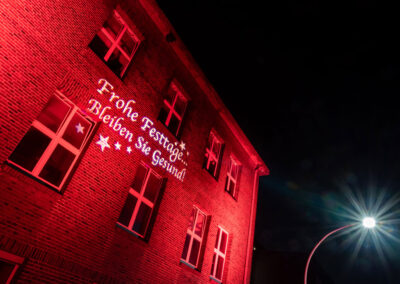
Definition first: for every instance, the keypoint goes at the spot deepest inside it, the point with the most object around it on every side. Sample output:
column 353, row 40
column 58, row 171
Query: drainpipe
column 249, row 252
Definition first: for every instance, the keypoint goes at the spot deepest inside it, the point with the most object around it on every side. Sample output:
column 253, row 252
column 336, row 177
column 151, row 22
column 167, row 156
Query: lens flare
column 369, row 222
column 375, row 215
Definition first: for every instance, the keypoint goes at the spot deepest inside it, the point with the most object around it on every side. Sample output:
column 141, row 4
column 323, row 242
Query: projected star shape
column 117, row 146
column 182, row 146
column 79, row 128
column 103, row 142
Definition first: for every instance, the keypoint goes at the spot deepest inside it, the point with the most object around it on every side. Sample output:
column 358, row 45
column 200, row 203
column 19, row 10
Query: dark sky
column 314, row 85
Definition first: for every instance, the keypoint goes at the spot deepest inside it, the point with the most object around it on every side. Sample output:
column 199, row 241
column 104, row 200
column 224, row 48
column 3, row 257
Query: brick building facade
column 120, row 163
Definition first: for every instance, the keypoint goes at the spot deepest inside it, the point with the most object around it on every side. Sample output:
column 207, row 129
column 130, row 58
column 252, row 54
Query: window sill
column 35, row 178
column 189, row 265
column 215, row 279
column 123, row 227
column 234, row 198
column 214, row 177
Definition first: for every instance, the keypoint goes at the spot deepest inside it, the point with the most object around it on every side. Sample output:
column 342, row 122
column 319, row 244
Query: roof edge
column 164, row 25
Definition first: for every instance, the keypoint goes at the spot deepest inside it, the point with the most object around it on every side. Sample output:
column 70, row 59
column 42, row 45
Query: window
column 115, row 44
column 139, row 207
column 221, row 243
column 9, row 265
column 194, row 238
column 213, row 154
column 232, row 178
column 52, row 145
column 173, row 109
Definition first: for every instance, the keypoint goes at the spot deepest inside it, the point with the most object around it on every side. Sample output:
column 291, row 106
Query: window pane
column 142, row 219
column 53, row 113
column 222, row 247
column 57, row 166
column 211, row 167
column 30, row 149
column 230, row 166
column 180, row 105
column 199, row 224
column 5, row 271
column 113, row 26
column 213, row 265
column 77, row 130
column 163, row 114
column 194, row 252
column 127, row 43
column 139, row 178
column 191, row 220
column 106, row 42
column 186, row 247
column 227, row 183
column 216, row 148
column 231, row 188
column 99, row 45
column 217, row 240
column 174, row 124
column 233, row 170
column 220, row 265
column 171, row 93
column 114, row 62
column 127, row 211
column 152, row 188
column 117, row 62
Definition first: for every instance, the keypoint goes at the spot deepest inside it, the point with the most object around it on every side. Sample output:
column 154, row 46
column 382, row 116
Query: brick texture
column 72, row 237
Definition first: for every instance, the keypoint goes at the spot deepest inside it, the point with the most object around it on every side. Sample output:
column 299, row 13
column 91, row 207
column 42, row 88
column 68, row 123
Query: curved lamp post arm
column 318, row 244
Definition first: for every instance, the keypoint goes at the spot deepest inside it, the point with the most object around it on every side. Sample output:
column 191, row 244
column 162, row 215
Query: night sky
column 314, row 85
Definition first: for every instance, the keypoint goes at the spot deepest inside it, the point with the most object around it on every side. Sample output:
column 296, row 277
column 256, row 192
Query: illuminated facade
column 120, row 163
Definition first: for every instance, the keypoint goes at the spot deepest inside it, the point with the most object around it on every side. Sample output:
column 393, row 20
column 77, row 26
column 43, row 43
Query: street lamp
column 367, row 222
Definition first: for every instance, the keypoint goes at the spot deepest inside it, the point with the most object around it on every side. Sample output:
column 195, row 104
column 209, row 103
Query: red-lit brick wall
column 72, row 236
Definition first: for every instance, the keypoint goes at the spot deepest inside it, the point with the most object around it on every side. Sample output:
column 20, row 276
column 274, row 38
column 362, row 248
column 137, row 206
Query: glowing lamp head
column 369, row 222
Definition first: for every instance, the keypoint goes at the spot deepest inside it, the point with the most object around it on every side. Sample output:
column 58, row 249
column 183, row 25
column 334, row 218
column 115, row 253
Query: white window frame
column 171, row 107
column 218, row 253
column 115, row 42
column 56, row 139
column 210, row 154
column 17, row 261
column 193, row 235
column 140, row 198
column 230, row 177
